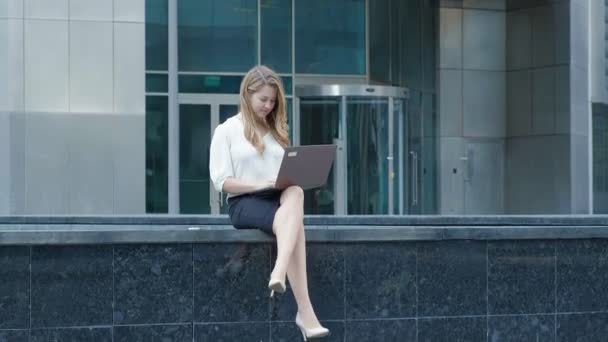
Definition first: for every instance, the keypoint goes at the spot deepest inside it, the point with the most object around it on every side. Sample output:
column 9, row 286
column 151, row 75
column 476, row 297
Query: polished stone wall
column 458, row 290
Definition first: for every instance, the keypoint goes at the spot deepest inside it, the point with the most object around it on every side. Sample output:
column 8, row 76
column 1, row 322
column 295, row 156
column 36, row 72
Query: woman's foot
column 276, row 285
column 313, row 332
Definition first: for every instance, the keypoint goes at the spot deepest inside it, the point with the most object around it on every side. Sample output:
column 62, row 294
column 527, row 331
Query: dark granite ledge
column 329, row 220
column 65, row 230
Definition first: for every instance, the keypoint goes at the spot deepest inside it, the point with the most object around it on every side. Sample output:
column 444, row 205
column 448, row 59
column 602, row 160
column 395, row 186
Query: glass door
column 368, row 155
column 198, row 117
column 371, row 169
column 320, row 124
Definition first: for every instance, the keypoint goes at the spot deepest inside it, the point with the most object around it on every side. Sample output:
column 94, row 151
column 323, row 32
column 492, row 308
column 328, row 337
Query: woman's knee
column 294, row 192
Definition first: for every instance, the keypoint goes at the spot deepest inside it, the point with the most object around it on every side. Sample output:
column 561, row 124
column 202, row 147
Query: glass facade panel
column 218, row 84
column 276, row 34
column 367, row 134
column 157, row 35
column 428, row 45
column 600, row 159
column 157, row 83
column 412, row 62
column 194, row 141
column 330, row 37
column 313, row 112
column 429, row 155
column 209, row 84
column 227, row 111
column 157, row 152
column 217, row 35
column 379, row 40
column 288, row 85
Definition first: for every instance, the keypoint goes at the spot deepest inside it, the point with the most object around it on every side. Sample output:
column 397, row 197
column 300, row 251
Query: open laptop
column 306, row 166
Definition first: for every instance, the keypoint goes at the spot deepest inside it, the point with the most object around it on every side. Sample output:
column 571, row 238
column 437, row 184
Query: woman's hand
column 268, row 184
column 237, row 186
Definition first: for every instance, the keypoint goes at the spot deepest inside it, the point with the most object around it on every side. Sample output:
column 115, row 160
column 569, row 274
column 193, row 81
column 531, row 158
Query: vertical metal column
column 391, row 152
column 173, row 120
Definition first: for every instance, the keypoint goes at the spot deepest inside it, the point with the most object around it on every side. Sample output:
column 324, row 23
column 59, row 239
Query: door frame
column 216, row 199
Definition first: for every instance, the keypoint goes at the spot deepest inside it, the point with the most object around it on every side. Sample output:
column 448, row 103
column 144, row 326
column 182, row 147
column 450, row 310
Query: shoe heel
column 303, row 334
column 271, row 293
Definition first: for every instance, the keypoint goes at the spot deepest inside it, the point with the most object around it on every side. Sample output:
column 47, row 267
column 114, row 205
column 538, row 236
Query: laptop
column 306, row 166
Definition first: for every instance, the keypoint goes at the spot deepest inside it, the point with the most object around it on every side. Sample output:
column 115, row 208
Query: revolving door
column 376, row 167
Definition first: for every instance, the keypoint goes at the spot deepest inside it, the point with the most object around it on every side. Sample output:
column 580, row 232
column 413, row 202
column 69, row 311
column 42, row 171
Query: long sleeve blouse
column 232, row 155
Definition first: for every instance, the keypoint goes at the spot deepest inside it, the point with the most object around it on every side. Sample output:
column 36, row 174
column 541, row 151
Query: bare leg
column 287, row 226
column 291, row 251
column 299, row 283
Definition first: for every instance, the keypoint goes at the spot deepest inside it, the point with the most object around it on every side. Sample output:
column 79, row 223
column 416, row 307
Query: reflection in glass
column 157, row 83
column 379, row 39
column 319, row 124
column 330, row 37
column 210, row 84
column 157, row 35
column 276, row 34
column 429, row 155
column 600, row 159
column 157, row 151
column 194, row 140
column 367, row 134
column 217, row 35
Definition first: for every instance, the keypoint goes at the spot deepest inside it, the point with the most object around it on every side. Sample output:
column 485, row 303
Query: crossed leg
column 288, row 227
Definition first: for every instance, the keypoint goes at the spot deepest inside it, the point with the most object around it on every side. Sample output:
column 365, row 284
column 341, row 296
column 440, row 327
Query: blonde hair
column 276, row 120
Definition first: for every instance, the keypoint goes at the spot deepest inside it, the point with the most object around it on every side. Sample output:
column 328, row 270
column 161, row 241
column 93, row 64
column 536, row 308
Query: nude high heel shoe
column 276, row 285
column 312, row 332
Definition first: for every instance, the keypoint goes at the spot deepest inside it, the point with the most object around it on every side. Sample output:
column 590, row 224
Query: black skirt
column 255, row 210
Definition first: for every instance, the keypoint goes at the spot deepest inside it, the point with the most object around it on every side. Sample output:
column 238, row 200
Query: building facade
column 437, row 106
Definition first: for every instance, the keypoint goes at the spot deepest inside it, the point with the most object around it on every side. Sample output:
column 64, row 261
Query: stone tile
column 582, row 275
column 582, row 327
column 72, row 335
column 14, row 287
column 289, row 331
column 230, row 282
column 14, row 335
column 452, row 329
column 71, row 286
column 450, row 37
column 484, row 39
column 451, row 278
column 229, row 332
column 325, row 267
column 380, row 280
column 153, row 333
column 521, row 277
column 402, row 330
column 153, row 284
column 539, row 328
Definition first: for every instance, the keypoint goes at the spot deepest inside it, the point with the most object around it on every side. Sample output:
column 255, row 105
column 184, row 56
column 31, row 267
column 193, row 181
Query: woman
column 245, row 156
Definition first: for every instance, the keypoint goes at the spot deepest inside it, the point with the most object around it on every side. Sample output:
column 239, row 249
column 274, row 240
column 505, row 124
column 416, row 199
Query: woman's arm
column 238, row 186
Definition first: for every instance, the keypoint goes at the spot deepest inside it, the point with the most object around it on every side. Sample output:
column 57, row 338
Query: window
column 157, row 35
column 217, row 35
column 276, row 34
column 330, row 37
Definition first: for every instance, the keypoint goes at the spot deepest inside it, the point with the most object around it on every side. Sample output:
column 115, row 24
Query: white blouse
column 232, row 155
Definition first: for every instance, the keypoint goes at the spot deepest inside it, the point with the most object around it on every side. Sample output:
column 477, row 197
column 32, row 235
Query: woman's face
column 263, row 101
